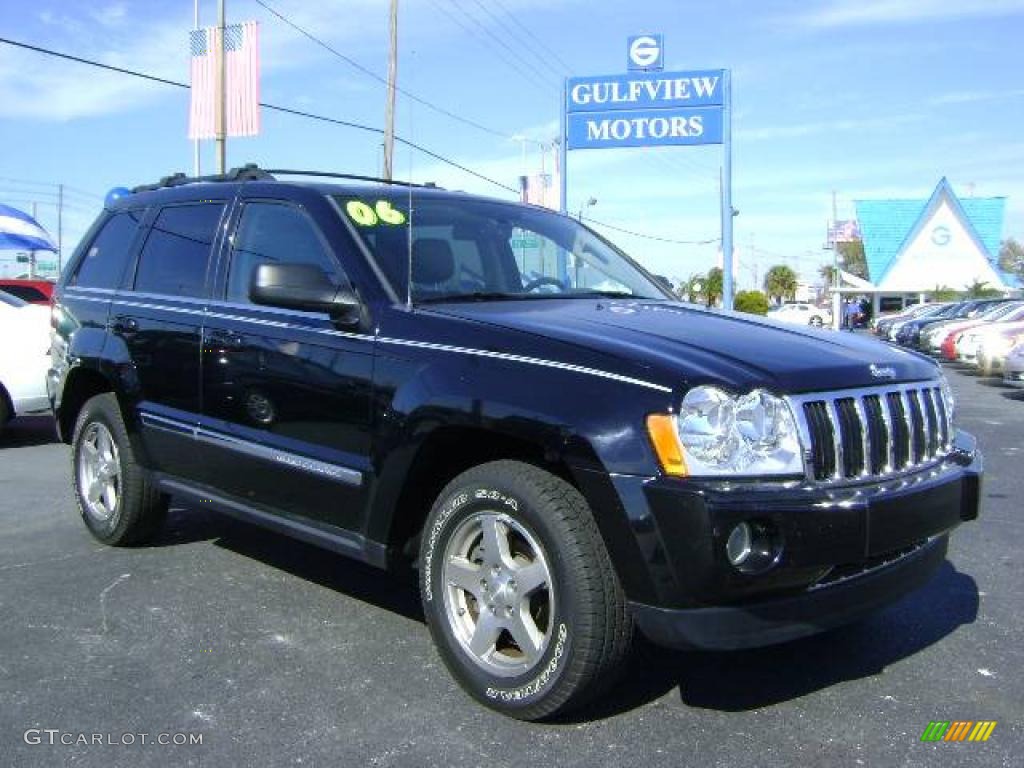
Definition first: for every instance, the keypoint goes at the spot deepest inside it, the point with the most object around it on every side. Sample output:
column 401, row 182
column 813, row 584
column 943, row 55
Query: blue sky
column 871, row 98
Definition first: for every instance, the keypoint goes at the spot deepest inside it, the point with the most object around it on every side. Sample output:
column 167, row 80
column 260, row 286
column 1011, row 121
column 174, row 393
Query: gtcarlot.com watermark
column 55, row 736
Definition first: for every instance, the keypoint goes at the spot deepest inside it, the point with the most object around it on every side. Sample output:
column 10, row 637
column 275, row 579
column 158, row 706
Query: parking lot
column 277, row 653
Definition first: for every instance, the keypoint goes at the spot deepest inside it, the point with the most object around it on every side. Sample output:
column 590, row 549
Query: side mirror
column 305, row 287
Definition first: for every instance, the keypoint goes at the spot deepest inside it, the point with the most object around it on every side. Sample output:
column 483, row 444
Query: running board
column 353, row 545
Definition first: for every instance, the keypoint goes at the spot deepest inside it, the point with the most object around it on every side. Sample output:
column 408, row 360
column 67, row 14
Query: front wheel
column 816, row 321
column 115, row 498
column 519, row 591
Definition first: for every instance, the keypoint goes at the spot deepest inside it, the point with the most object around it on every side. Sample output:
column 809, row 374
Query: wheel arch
column 449, row 450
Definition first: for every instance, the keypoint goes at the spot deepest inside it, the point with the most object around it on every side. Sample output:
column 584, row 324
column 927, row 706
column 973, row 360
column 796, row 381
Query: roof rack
column 252, row 172
column 248, row 172
column 355, row 177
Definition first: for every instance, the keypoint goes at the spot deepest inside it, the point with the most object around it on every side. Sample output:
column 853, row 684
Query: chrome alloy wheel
column 498, row 596
column 99, row 472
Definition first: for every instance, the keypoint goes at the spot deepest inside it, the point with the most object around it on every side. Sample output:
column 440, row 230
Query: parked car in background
column 1013, row 370
column 801, row 313
column 935, row 337
column 910, row 333
column 891, row 329
column 996, row 345
column 882, row 323
column 24, row 358
column 32, row 291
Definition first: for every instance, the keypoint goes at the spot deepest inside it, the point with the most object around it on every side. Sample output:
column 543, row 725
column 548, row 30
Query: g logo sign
column 941, row 235
column 645, row 52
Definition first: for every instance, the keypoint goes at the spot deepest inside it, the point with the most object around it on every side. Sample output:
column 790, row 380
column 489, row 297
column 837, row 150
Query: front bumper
column 775, row 621
column 844, row 551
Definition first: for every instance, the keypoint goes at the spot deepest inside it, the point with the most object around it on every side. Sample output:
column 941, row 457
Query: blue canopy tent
column 20, row 232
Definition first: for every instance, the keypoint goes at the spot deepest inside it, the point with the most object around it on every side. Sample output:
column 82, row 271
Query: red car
column 32, row 291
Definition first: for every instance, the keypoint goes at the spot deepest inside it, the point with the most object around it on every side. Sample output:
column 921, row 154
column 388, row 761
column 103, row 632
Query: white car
column 801, row 314
column 24, row 358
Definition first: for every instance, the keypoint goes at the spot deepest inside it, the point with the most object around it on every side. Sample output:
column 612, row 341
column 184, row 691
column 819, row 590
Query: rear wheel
column 117, row 502
column 519, row 591
column 816, row 321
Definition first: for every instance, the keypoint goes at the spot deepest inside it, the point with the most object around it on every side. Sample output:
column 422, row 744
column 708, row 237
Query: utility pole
column 32, row 254
column 389, row 109
column 222, row 96
column 195, row 142
column 60, row 228
column 837, row 306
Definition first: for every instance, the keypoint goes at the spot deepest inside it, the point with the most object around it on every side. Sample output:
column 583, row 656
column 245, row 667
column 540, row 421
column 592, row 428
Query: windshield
column 479, row 249
column 11, row 301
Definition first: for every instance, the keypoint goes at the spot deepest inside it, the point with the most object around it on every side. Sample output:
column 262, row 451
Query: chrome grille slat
column 865, row 436
column 884, row 431
column 837, row 438
column 907, row 420
column 890, row 442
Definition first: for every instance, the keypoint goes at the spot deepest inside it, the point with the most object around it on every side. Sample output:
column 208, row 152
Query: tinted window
column 177, row 250
column 106, row 258
column 26, row 292
column 9, row 300
column 270, row 233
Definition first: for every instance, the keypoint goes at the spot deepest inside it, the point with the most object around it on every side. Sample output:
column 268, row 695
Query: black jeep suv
column 500, row 396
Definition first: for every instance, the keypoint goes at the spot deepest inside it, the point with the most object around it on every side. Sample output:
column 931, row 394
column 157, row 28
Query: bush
column 751, row 302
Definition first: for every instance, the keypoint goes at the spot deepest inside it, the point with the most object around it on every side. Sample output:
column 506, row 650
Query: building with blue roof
column 917, row 246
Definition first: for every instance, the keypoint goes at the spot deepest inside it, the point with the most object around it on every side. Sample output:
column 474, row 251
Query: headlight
column 723, row 434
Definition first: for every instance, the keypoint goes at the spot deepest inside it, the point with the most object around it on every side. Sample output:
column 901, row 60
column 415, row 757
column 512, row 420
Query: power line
column 370, row 73
column 532, row 79
column 542, row 45
column 557, row 72
column 265, row 105
column 650, row 237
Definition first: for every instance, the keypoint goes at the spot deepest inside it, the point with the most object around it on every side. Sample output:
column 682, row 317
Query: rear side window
column 177, row 251
column 25, row 292
column 273, row 233
column 105, row 261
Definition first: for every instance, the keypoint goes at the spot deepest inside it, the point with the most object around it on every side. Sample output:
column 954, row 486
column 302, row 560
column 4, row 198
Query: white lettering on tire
column 537, row 684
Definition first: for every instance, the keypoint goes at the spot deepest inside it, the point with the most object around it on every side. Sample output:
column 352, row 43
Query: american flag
column 242, row 80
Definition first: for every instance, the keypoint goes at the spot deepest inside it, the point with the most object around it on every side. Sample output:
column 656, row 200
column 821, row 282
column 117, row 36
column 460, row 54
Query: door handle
column 125, row 324
column 223, row 338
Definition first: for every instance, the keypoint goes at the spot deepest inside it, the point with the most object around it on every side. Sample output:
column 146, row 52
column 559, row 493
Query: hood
column 683, row 344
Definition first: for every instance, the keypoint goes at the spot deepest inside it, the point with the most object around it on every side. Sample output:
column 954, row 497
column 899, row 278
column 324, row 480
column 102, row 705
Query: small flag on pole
column 242, row 80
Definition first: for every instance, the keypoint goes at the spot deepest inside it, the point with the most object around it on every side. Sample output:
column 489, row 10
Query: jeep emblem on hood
column 882, row 371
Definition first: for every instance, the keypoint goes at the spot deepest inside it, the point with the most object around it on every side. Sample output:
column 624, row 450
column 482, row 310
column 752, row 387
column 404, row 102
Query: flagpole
column 196, row 171
column 221, row 98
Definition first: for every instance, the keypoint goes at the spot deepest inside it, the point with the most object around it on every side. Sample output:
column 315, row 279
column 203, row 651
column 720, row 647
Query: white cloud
column 847, row 125
column 847, row 13
column 970, row 97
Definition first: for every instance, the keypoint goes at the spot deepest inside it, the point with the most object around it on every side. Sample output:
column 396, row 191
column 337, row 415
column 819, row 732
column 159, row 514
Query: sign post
column 648, row 107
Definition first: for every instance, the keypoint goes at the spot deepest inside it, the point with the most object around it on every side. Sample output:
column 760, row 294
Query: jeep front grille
column 876, row 432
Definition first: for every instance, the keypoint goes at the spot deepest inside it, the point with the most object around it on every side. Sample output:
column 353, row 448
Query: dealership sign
column 645, row 109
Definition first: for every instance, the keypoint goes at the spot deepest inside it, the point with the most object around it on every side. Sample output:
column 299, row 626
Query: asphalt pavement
column 276, row 653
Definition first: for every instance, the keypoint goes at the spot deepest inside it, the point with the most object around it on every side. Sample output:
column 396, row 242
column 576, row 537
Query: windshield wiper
column 473, row 296
column 607, row 294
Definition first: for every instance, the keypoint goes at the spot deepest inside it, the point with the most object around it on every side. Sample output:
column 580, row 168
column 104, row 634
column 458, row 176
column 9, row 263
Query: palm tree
column 780, row 282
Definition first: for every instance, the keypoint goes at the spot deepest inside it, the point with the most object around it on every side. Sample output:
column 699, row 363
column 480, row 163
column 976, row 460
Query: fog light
column 738, row 546
column 754, row 546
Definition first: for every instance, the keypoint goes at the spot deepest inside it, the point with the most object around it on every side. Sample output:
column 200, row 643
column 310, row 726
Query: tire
column 527, row 653
column 127, row 509
column 5, row 410
column 816, row 321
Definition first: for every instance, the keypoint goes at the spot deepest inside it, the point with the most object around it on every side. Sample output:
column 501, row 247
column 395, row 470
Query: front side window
column 274, row 233
column 105, row 261
column 176, row 255
column 466, row 248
